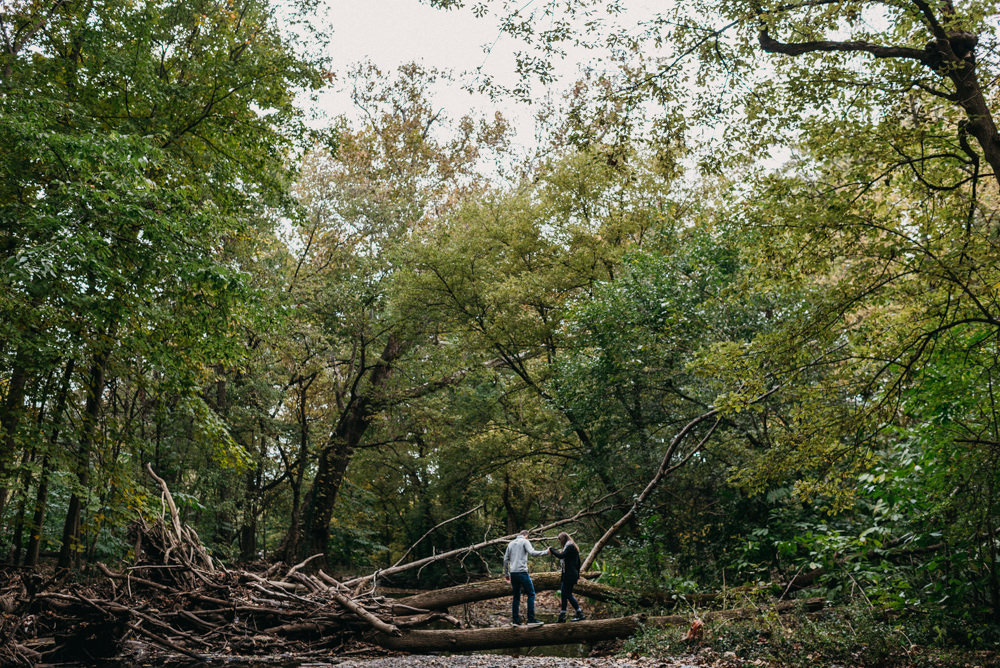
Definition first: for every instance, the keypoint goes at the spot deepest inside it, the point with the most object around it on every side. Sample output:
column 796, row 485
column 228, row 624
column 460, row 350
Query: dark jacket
column 570, row 556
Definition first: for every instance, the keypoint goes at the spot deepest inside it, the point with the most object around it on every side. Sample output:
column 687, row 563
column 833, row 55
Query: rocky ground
column 503, row 661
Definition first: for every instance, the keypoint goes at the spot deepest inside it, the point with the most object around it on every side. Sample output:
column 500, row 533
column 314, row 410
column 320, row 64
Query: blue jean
column 518, row 582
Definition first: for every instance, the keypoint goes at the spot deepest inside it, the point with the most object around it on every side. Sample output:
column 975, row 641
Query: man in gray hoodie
column 515, row 570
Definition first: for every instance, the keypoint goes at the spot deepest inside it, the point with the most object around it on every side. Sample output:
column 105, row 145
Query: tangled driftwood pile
column 226, row 612
column 176, row 599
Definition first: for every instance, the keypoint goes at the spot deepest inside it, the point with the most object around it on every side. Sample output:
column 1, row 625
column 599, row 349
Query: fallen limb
column 294, row 569
column 435, row 528
column 164, row 642
column 314, row 628
column 665, row 469
column 376, row 623
column 278, row 584
column 168, row 500
column 133, row 578
column 410, row 621
column 460, row 640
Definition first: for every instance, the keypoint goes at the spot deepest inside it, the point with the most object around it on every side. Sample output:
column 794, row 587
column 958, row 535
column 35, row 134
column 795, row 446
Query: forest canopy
column 737, row 309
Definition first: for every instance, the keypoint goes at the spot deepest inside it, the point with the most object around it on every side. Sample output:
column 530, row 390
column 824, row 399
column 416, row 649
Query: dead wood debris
column 169, row 601
column 177, row 601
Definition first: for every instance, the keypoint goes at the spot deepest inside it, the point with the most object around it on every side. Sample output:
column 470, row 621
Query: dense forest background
column 756, row 258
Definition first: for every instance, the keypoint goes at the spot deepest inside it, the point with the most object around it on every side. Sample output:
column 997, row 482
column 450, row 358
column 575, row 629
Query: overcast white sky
column 393, row 32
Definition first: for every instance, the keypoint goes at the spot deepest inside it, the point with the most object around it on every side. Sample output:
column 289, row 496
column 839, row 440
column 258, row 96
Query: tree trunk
column 336, row 455
column 248, row 527
column 38, row 517
column 290, row 545
column 322, row 495
column 29, row 455
column 514, row 521
column 13, row 406
column 969, row 94
column 22, row 506
column 91, row 414
column 42, row 493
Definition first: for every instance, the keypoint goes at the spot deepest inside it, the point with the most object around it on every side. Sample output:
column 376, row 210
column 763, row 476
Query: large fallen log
column 461, row 640
column 442, row 599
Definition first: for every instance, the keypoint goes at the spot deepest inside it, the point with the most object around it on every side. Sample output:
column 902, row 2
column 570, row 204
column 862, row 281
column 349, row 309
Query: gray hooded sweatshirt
column 515, row 559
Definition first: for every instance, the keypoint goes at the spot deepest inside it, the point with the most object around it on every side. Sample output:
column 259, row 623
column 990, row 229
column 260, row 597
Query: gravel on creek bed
column 502, row 661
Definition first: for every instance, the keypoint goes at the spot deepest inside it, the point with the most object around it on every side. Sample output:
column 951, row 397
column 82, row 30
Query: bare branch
column 951, row 97
column 932, row 21
column 435, row 527
column 664, row 470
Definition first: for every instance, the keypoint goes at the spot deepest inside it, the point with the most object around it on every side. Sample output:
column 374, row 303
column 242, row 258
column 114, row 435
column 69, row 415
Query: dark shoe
column 562, row 618
column 516, row 622
column 579, row 616
column 534, row 622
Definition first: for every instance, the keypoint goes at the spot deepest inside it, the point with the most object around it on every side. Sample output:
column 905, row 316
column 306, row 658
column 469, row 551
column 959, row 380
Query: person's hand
column 507, row 578
column 551, row 549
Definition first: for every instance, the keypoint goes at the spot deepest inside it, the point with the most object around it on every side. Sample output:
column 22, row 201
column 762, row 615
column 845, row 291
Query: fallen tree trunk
column 460, row 640
column 442, row 599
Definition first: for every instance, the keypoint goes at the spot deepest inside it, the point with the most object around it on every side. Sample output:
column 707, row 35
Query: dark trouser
column 566, row 586
column 518, row 582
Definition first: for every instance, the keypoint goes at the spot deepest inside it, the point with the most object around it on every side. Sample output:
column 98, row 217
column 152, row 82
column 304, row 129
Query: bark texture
column 441, row 599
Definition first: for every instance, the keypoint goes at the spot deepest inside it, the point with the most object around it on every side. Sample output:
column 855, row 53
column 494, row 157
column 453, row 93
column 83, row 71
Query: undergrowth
column 851, row 636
